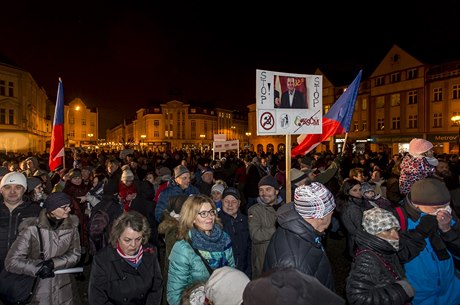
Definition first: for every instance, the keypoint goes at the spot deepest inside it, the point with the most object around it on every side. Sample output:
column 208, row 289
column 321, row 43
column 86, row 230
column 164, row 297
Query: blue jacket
column 172, row 190
column 434, row 281
column 186, row 268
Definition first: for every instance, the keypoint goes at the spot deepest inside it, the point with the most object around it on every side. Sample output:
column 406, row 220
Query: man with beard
column 262, row 221
column 13, row 209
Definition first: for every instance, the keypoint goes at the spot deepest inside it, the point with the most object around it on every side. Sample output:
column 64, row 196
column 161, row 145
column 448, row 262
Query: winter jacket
column 186, row 268
column 262, row 225
column 376, row 274
column 172, row 190
column 298, row 245
column 115, row 281
column 238, row 230
column 9, row 224
column 413, row 169
column 436, row 281
column 62, row 245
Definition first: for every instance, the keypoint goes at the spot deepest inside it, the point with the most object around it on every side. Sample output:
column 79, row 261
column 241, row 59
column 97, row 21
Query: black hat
column 269, row 180
column 32, row 182
column 56, row 200
column 231, row 191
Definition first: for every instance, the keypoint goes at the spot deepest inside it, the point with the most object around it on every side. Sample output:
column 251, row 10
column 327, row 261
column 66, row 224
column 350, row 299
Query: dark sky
column 131, row 54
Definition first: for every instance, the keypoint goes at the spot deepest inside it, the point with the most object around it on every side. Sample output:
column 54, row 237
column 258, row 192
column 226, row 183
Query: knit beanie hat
column 127, row 175
column 377, row 220
column 288, row 286
column 207, row 169
column 226, row 286
column 14, row 178
column 32, row 182
column 313, row 200
column 3, row 170
column 56, row 200
column 231, row 191
column 367, row 187
column 165, row 173
column 429, row 192
column 419, row 146
column 218, row 187
column 269, row 180
column 180, row 170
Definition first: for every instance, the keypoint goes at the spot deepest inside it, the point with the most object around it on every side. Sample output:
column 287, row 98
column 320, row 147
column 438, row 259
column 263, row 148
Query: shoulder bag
column 19, row 288
column 205, row 262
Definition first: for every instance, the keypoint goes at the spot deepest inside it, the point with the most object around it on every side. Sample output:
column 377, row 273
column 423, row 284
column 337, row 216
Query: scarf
column 133, row 260
column 217, row 241
column 123, row 191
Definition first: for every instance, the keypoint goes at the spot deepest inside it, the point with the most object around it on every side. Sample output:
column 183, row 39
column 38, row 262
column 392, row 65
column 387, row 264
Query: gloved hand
column 46, row 269
column 427, row 226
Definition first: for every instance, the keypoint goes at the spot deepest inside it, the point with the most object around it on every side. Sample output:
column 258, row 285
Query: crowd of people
column 184, row 228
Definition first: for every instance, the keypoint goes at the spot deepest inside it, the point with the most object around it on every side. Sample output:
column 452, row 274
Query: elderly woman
column 376, row 275
column 61, row 247
column 127, row 271
column 202, row 247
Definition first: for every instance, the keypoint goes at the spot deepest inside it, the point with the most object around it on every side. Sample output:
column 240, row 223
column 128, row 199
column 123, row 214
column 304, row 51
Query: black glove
column 427, row 226
column 46, row 269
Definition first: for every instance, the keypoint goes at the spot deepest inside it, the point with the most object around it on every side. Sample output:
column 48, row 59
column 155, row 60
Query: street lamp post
column 248, row 134
column 456, row 121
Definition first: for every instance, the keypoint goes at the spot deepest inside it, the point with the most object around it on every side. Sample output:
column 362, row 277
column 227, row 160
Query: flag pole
column 288, row 168
column 344, row 143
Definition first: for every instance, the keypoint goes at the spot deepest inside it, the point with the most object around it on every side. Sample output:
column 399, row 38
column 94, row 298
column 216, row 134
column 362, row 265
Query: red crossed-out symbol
column 267, row 121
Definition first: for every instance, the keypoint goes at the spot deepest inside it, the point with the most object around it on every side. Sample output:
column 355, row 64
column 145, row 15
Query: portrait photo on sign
column 290, row 92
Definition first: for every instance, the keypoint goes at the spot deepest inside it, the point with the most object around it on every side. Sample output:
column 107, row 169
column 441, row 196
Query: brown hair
column 133, row 220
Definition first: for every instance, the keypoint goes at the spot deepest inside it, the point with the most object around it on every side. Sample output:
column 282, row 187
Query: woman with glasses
column 202, row 247
column 61, row 250
column 127, row 271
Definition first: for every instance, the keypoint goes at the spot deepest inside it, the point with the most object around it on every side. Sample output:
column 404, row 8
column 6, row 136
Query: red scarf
column 123, row 192
column 132, row 259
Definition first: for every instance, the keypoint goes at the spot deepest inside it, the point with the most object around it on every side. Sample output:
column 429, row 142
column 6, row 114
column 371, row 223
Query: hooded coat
column 62, row 245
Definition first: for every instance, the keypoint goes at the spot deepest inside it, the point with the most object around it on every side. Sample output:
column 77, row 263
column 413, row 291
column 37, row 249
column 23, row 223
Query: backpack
column 99, row 227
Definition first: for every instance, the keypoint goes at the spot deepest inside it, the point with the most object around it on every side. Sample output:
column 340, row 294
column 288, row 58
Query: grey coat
column 62, row 245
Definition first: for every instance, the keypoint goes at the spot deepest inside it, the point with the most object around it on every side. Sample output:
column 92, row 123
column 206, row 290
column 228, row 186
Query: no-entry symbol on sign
column 267, row 121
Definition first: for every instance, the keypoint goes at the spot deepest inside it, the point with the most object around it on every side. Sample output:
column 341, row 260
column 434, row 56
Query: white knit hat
column 313, row 200
column 14, row 178
column 127, row 175
column 226, row 286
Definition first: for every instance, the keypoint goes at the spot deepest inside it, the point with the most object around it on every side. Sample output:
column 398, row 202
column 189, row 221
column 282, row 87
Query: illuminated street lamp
column 248, row 134
column 90, row 136
column 456, row 121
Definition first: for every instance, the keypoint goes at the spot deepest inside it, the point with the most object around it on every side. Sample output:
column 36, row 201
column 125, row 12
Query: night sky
column 127, row 55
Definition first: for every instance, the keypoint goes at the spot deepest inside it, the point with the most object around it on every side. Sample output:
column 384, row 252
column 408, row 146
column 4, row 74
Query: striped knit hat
column 313, row 200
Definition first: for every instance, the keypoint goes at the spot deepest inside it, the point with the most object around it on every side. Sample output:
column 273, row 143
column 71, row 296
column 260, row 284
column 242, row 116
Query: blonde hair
column 189, row 211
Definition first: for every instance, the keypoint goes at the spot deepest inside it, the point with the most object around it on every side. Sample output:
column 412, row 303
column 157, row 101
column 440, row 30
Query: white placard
column 279, row 113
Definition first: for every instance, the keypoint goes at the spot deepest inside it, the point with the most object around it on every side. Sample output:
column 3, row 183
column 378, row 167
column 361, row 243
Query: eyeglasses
column 205, row 214
column 65, row 207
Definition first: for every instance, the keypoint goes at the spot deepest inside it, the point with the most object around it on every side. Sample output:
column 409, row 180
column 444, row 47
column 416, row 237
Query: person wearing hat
column 376, row 275
column 180, row 184
column 14, row 208
column 262, row 221
column 204, row 185
column 418, row 164
column 288, row 286
column 226, row 286
column 297, row 240
column 236, row 225
column 427, row 215
column 35, row 191
column 127, row 189
column 61, row 245
column 75, row 188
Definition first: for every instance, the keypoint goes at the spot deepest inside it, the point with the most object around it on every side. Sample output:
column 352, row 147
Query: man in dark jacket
column 297, row 241
column 13, row 210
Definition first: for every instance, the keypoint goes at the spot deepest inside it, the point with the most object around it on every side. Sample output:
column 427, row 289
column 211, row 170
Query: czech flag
column 57, row 135
column 336, row 121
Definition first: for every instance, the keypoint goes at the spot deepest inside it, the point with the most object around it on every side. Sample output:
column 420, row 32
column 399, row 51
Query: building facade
column 177, row 125
column 25, row 112
column 80, row 124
